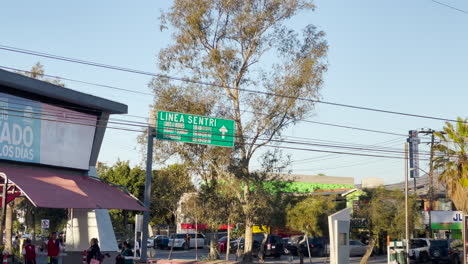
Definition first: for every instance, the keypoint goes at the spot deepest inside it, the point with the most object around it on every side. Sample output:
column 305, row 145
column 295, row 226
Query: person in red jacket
column 53, row 249
column 29, row 252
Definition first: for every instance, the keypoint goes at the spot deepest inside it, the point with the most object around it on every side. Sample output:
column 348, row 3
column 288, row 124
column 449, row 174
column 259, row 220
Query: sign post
column 185, row 128
column 149, row 174
column 465, row 239
column 195, row 129
column 45, row 223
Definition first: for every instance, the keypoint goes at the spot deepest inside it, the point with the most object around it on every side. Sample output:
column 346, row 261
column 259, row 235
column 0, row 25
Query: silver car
column 357, row 248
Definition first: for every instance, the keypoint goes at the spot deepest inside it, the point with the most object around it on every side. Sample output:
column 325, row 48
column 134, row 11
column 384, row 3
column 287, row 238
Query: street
column 203, row 253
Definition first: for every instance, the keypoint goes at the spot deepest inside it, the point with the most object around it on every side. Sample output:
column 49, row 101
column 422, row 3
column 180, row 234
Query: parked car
column 273, row 245
column 419, row 249
column 286, row 243
column 446, row 251
column 222, row 244
column 318, row 246
column 180, row 241
column 158, row 241
column 357, row 248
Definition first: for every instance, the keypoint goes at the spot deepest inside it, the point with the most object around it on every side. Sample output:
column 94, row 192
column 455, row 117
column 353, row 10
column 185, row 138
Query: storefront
column 50, row 138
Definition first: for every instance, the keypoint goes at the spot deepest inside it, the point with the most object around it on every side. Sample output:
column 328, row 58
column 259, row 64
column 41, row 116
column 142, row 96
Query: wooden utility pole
column 431, row 177
column 431, row 181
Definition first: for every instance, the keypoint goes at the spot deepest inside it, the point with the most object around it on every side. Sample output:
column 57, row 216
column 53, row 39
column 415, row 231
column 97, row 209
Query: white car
column 180, row 241
column 419, row 249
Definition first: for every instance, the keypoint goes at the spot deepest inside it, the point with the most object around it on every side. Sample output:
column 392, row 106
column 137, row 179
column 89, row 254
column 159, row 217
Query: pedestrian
column 127, row 252
column 15, row 244
column 137, row 248
column 94, row 252
column 53, row 249
column 60, row 237
column 29, row 252
column 187, row 240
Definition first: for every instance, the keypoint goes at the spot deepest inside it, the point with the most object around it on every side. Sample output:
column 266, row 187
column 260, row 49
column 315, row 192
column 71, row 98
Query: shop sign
column 446, row 220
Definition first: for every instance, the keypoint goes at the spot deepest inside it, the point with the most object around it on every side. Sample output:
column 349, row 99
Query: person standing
column 15, row 244
column 53, row 249
column 29, row 252
column 94, row 252
column 137, row 247
column 127, row 252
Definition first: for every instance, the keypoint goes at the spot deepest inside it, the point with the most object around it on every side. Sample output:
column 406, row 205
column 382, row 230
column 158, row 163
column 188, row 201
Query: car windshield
column 224, row 238
column 439, row 243
column 418, row 243
column 177, row 236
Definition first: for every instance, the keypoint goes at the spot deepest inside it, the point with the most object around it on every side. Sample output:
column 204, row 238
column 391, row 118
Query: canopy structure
column 48, row 189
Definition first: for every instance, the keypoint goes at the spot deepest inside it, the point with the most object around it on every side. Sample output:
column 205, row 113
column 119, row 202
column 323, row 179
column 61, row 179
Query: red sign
column 225, row 227
column 192, row 226
column 12, row 193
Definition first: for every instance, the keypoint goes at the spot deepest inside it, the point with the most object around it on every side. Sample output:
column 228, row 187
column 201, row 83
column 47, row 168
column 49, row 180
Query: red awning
column 54, row 190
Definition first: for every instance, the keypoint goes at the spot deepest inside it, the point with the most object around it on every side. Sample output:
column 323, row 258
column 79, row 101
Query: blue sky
column 407, row 56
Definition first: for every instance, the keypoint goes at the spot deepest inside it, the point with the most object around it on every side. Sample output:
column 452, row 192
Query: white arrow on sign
column 223, row 131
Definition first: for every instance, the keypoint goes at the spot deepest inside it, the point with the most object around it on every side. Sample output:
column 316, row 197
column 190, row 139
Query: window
column 342, row 239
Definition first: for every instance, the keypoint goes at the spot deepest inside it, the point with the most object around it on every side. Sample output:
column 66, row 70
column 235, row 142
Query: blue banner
column 20, row 129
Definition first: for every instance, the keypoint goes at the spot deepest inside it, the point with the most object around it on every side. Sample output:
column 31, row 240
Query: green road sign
column 195, row 129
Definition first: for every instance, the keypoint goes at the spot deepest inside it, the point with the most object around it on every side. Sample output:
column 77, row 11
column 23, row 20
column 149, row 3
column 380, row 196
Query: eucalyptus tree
column 240, row 60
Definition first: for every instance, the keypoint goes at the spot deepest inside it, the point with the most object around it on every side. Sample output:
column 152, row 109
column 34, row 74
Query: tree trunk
column 228, row 242
column 308, row 248
column 248, row 239
column 8, row 228
column 196, row 240
column 261, row 253
column 299, row 250
column 172, row 247
column 213, row 252
column 370, row 248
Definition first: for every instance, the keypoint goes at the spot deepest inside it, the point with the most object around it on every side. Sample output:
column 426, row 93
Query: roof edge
column 67, row 95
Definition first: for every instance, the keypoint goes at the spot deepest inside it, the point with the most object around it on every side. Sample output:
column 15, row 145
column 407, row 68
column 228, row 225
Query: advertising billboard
column 446, row 220
column 35, row 132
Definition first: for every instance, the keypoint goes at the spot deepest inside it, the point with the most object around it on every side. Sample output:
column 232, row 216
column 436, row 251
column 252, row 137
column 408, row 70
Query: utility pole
column 431, row 176
column 406, row 206
column 414, row 141
column 149, row 175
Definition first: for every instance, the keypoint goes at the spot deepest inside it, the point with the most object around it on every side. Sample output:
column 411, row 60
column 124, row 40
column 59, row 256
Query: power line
column 451, row 7
column 388, row 151
column 82, row 82
column 302, row 120
column 182, row 79
column 256, row 144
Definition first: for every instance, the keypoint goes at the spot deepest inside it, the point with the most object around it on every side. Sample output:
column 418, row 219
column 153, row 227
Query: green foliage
column 385, row 212
column 33, row 215
column 305, row 187
column 452, row 160
column 169, row 184
column 131, row 179
column 121, row 174
column 310, row 215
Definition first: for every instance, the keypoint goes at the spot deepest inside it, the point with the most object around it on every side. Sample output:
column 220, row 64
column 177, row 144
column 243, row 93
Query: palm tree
column 452, row 160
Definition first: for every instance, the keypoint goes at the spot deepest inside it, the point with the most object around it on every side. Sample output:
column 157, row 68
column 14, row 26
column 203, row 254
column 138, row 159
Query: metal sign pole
column 146, row 214
column 406, row 205
column 465, row 239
